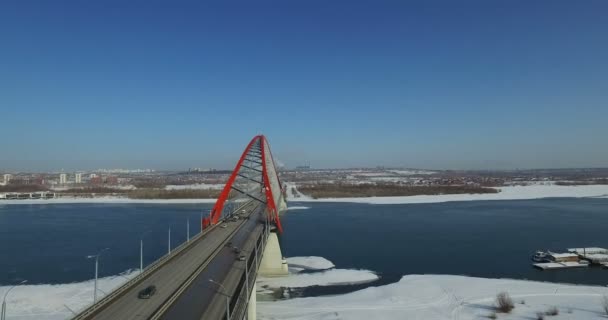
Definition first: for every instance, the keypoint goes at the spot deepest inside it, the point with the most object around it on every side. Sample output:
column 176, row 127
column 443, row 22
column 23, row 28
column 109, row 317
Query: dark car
column 147, row 292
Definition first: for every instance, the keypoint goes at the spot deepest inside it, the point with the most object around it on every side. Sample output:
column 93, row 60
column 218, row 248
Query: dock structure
column 560, row 265
column 594, row 255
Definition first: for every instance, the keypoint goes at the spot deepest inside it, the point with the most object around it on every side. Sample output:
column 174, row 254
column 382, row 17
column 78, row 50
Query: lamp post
column 188, row 230
column 201, row 222
column 3, row 314
column 169, row 242
column 224, row 294
column 96, row 256
column 141, row 251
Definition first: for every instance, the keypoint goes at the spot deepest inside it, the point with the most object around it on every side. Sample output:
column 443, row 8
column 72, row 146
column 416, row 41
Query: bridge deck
column 205, row 300
column 175, row 273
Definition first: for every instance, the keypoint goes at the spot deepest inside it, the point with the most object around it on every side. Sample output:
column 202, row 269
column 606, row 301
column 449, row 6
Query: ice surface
column 324, row 278
column 310, row 263
column 441, row 297
column 297, row 208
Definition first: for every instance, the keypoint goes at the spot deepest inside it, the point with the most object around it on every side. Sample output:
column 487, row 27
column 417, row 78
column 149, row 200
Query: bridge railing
column 147, row 271
column 242, row 302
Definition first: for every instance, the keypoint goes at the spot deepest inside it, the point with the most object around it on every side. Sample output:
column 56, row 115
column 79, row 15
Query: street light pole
column 169, row 242
column 201, row 222
column 141, row 255
column 227, row 298
column 96, row 271
column 188, row 230
column 3, row 314
column 141, row 251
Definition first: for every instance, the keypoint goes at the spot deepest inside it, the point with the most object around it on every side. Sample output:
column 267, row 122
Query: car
column 241, row 257
column 147, row 292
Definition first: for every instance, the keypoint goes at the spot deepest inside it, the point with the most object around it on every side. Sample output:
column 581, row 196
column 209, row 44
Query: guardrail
column 240, row 306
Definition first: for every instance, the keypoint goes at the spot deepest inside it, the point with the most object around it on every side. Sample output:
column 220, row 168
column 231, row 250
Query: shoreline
column 530, row 192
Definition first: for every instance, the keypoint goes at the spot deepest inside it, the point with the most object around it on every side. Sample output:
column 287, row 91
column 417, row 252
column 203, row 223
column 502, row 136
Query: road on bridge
column 206, row 257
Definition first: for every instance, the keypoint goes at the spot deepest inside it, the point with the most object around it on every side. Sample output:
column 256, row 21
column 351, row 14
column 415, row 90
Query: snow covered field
column 440, row 297
column 506, row 193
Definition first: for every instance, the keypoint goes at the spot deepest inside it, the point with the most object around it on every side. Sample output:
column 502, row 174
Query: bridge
column 212, row 275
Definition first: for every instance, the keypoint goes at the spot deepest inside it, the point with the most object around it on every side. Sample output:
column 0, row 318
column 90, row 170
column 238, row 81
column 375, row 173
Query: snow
column 506, row 193
column 198, row 186
column 48, row 302
column 323, row 274
column 297, row 208
column 289, row 186
column 590, row 250
column 442, row 297
column 310, row 263
column 325, row 278
column 105, row 200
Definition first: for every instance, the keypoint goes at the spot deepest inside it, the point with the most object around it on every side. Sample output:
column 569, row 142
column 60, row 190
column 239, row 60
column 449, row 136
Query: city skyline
column 437, row 85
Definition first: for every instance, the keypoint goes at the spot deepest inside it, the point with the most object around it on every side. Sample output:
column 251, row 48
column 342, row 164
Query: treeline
column 329, row 190
column 92, row 190
column 23, row 188
column 582, row 183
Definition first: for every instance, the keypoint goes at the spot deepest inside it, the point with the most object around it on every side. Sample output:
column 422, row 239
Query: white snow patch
column 506, row 193
column 443, row 297
column 297, row 208
column 48, row 301
column 310, row 263
column 324, row 278
column 290, row 188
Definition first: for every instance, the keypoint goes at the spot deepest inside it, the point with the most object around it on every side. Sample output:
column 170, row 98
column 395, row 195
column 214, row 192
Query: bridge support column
column 251, row 307
column 273, row 263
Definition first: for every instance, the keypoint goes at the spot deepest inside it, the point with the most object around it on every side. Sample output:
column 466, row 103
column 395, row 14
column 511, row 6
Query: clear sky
column 428, row 84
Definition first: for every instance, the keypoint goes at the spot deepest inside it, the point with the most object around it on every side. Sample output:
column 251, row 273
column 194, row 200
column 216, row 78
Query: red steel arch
column 272, row 187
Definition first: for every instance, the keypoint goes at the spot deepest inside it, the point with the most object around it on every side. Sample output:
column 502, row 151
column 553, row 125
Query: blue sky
column 428, row 84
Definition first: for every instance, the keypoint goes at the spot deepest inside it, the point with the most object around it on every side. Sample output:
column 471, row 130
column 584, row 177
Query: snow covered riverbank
column 440, row 297
column 505, row 193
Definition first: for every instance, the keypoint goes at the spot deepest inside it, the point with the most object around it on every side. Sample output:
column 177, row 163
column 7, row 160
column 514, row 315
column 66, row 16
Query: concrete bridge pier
column 273, row 264
column 251, row 307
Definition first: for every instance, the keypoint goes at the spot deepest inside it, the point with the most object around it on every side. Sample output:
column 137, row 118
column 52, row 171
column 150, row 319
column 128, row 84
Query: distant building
column 7, row 178
column 63, row 178
column 78, row 178
column 111, row 180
